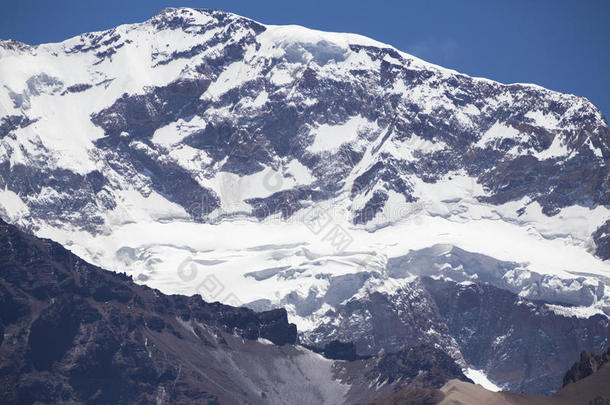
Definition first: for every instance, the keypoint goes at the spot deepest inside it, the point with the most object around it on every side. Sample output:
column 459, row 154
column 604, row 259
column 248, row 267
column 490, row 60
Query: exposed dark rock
column 522, row 343
column 518, row 341
column 140, row 115
column 423, row 365
column 276, row 328
column 371, row 208
column 379, row 321
column 337, row 350
column 12, row 122
column 285, row 202
column 78, row 333
column 77, row 88
column 588, row 364
column 601, row 237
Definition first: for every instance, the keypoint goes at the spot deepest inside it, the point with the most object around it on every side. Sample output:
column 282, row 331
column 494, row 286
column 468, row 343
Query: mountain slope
column 316, row 114
column 277, row 166
column 522, row 345
column 590, row 389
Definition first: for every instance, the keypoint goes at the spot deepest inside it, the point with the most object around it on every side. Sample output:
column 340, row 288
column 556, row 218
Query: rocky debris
column 411, row 396
column 588, row 364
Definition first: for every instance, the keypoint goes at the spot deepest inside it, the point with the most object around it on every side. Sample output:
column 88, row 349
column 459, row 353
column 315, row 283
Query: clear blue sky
column 561, row 45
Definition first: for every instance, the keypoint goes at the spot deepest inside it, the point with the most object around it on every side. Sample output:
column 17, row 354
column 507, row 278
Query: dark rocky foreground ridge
column 71, row 332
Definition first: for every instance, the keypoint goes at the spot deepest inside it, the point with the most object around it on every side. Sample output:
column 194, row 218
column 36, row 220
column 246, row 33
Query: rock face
column 528, row 345
column 602, row 241
column 588, row 364
column 428, row 366
column 522, row 344
column 74, row 333
column 425, row 369
column 340, row 351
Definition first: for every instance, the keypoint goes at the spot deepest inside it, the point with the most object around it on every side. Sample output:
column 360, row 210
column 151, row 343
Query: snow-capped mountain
column 203, row 152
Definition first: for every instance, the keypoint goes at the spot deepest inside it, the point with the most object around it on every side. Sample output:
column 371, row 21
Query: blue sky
column 561, row 45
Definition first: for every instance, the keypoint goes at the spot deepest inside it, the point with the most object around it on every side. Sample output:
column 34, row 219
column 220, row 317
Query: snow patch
column 328, row 138
column 175, row 132
column 300, row 172
column 576, row 312
column 497, row 132
column 557, row 149
column 479, row 377
column 542, row 119
column 12, row 205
